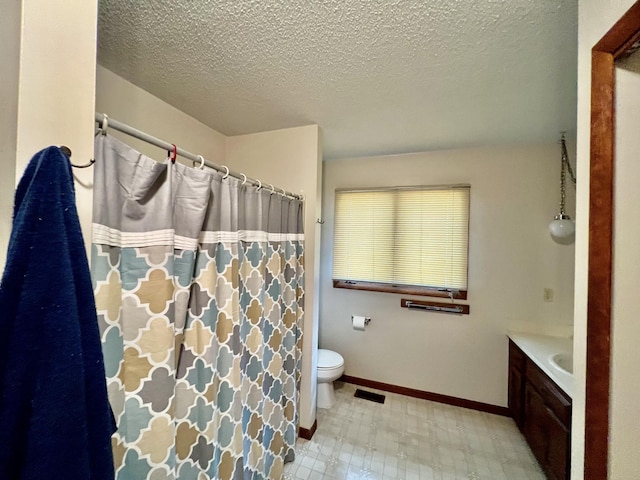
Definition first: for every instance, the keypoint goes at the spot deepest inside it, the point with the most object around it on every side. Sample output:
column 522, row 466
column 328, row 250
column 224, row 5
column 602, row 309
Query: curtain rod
column 134, row 132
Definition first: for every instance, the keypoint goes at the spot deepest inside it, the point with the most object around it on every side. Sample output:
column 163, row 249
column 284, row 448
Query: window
column 411, row 240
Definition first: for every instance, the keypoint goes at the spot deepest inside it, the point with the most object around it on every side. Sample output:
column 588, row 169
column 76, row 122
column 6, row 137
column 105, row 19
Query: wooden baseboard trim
column 434, row 397
column 307, row 433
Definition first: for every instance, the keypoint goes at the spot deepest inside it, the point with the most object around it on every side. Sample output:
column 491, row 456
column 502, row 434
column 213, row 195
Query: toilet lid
column 329, row 359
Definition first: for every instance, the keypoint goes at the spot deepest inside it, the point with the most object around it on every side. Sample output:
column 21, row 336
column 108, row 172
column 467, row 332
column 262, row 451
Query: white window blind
column 414, row 236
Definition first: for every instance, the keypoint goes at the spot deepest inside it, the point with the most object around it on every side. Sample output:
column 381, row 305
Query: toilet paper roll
column 359, row 322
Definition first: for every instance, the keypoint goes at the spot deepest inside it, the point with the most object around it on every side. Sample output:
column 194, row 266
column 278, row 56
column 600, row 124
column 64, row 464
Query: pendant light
column 562, row 228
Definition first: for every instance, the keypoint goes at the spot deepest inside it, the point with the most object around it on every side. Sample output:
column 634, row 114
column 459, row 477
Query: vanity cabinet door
column 559, row 449
column 516, row 396
column 516, row 384
column 546, row 433
column 535, row 424
column 557, row 401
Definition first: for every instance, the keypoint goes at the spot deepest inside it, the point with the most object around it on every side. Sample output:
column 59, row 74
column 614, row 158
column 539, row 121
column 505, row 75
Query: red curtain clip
column 173, row 155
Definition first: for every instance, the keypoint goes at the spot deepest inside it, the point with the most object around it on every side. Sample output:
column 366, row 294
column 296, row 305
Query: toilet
column 330, row 368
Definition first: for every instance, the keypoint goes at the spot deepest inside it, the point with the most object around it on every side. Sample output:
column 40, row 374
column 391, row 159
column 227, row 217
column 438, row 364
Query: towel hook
column 67, row 151
column 244, row 179
column 226, row 173
column 201, row 166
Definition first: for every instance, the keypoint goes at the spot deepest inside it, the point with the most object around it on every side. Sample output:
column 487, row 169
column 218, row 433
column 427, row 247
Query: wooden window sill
column 402, row 289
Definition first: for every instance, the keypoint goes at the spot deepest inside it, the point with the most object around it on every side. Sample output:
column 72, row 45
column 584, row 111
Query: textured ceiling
column 378, row 77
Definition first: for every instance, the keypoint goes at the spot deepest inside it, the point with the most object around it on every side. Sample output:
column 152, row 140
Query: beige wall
column 10, row 22
column 595, row 18
column 48, row 79
column 292, row 159
column 514, row 196
column 57, row 84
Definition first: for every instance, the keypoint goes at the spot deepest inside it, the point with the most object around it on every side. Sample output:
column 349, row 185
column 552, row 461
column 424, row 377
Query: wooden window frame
column 402, row 289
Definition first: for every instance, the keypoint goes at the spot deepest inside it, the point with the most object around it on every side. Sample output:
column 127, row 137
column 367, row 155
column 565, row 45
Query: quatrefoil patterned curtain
column 199, row 290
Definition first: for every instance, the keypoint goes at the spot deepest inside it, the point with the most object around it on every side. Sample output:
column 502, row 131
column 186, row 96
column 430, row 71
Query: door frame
column 614, row 44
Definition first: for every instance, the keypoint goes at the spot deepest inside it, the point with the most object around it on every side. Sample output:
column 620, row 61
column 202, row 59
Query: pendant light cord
column 563, row 181
column 565, row 160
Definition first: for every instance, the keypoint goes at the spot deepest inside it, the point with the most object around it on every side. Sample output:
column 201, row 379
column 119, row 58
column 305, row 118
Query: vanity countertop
column 540, row 348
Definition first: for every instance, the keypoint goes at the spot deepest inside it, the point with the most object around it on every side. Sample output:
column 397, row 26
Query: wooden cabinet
column 535, row 427
column 516, row 384
column 542, row 411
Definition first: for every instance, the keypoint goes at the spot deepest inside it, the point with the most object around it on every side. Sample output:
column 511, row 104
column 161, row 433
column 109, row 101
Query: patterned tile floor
column 407, row 438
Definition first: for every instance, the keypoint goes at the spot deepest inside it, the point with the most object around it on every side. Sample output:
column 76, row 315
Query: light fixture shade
column 562, row 229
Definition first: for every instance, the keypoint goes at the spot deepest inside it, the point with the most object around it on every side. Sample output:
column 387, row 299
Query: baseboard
column 307, row 433
column 434, row 397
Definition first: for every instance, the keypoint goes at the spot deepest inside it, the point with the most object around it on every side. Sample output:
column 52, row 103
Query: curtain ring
column 272, row 189
column 226, row 173
column 201, row 166
column 104, row 125
column 173, row 155
column 284, row 192
column 244, row 179
column 259, row 185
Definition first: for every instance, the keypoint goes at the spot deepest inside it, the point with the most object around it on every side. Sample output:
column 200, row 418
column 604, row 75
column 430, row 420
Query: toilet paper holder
column 366, row 319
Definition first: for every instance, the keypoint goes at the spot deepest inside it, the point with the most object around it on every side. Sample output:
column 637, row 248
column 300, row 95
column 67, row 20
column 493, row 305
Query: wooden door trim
column 614, row 44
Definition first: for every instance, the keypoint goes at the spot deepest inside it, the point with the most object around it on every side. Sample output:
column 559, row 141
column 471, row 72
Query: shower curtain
column 199, row 291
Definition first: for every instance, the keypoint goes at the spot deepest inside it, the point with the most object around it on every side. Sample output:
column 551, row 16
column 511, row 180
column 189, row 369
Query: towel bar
column 455, row 308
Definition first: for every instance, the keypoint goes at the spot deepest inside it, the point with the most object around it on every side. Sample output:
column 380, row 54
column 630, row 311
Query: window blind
column 409, row 236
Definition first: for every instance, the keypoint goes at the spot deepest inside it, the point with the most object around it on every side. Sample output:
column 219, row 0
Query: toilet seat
column 329, row 360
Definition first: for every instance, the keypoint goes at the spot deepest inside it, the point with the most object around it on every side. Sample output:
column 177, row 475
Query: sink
column 563, row 362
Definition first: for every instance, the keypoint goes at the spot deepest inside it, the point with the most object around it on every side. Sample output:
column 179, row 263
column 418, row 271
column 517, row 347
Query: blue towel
column 55, row 419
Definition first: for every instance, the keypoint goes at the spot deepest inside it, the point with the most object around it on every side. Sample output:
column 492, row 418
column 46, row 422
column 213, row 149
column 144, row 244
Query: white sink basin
column 563, row 362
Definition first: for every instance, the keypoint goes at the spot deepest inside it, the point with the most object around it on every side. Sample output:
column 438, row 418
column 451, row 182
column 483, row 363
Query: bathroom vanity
column 540, row 387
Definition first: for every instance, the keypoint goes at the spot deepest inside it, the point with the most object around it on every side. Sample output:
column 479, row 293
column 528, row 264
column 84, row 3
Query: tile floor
column 408, row 438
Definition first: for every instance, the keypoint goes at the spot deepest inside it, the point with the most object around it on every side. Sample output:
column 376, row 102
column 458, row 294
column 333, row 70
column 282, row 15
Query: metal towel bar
column 434, row 308
column 428, row 306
